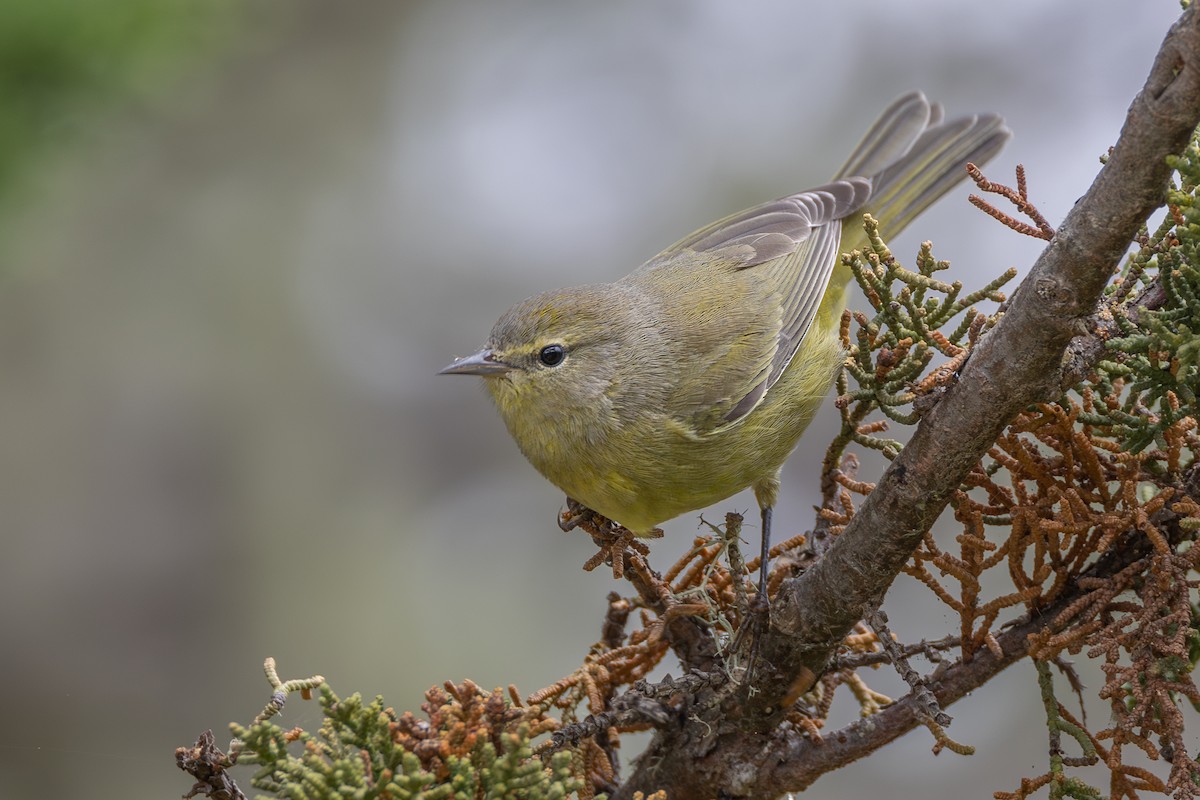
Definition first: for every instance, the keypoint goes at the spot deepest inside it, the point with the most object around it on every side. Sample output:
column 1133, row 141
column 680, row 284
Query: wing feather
column 781, row 253
column 748, row 287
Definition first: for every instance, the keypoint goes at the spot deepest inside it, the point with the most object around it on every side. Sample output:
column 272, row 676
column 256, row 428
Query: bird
column 693, row 377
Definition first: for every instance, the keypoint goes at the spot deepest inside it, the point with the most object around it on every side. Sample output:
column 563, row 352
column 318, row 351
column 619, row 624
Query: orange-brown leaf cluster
column 458, row 717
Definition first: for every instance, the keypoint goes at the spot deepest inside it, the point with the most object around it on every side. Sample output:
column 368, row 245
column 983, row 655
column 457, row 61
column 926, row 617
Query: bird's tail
column 913, row 157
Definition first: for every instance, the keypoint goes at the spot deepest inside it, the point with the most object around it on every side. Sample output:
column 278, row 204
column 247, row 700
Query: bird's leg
column 759, row 611
column 765, row 561
column 757, row 615
column 766, row 491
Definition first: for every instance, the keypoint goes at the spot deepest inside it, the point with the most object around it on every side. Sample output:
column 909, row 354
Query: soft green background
column 238, row 240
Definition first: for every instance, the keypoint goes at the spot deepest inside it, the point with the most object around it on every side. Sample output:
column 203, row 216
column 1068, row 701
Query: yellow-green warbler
column 692, row 377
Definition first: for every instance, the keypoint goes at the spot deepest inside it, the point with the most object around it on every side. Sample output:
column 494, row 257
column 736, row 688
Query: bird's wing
column 768, row 268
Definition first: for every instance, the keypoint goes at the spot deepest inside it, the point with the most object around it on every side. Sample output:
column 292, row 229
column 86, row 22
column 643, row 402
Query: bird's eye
column 552, row 355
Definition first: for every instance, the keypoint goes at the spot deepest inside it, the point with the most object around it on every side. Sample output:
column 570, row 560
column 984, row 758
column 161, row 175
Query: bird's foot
column 574, row 515
column 745, row 646
column 614, row 540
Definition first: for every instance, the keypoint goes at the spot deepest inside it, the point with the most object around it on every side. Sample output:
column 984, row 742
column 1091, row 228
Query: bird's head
column 554, row 357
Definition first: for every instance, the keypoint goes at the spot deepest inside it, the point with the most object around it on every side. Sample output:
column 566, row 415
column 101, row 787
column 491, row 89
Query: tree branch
column 723, row 751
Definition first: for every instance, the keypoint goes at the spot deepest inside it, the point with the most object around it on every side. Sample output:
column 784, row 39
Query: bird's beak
column 482, row 363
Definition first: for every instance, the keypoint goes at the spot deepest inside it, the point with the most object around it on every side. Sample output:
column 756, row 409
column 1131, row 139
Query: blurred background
column 238, row 240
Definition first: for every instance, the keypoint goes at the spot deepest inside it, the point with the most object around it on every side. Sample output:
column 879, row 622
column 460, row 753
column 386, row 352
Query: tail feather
column 935, row 164
column 891, row 136
column 913, row 157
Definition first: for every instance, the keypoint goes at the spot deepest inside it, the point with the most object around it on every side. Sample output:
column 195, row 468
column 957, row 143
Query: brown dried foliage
column 459, row 717
column 1019, row 197
column 1052, row 495
column 701, row 586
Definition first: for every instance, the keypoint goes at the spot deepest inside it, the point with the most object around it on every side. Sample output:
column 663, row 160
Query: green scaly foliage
column 354, row 755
